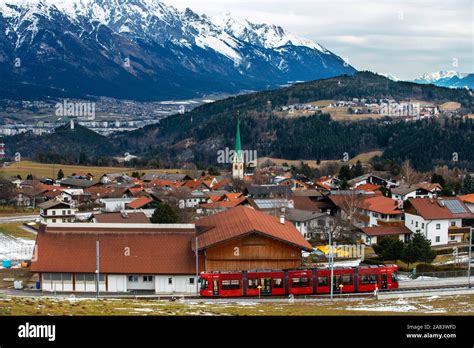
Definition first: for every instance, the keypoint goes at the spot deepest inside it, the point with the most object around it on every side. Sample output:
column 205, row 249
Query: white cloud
column 402, row 37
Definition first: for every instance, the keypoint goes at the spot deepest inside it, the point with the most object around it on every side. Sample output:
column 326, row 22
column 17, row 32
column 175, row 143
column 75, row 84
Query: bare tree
column 410, row 175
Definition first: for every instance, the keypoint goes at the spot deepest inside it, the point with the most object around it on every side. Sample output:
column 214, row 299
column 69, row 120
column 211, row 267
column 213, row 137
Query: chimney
column 282, row 219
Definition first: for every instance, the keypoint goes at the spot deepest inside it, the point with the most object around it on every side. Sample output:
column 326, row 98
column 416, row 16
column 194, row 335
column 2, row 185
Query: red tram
column 298, row 281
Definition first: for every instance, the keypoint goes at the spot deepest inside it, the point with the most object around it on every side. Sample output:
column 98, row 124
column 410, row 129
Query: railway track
column 336, row 295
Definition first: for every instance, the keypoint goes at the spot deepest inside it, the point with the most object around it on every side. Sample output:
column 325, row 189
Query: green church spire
column 238, row 147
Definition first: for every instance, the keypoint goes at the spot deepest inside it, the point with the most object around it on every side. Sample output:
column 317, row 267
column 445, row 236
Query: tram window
column 323, row 281
column 369, row 279
column 204, row 284
column 231, row 284
column 277, row 283
column 253, row 283
column 394, row 277
column 347, row 279
column 299, row 282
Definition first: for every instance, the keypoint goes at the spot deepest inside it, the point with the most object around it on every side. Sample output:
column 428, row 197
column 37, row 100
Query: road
column 17, row 218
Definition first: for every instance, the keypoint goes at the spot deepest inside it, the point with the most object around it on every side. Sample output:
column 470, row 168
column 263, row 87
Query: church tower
column 238, row 159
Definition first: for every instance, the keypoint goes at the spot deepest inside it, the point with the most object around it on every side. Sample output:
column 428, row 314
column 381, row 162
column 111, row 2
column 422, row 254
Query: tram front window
column 204, row 284
column 394, row 277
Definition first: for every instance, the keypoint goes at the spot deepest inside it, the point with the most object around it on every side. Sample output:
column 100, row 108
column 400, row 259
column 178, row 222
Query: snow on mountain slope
column 172, row 53
column 268, row 36
column 438, row 75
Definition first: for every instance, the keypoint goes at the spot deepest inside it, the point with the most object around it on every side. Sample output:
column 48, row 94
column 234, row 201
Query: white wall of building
column 434, row 230
column 168, row 284
column 117, row 283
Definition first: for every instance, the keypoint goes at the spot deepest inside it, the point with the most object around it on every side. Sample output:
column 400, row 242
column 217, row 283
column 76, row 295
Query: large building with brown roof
column 133, row 257
column 161, row 258
column 243, row 238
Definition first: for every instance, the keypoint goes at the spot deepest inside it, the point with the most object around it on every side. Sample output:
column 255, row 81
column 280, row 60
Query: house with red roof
column 367, row 210
column 143, row 203
column 439, row 220
column 373, row 235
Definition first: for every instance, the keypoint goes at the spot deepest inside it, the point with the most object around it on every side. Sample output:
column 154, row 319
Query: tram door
column 266, row 284
column 384, row 280
column 215, row 287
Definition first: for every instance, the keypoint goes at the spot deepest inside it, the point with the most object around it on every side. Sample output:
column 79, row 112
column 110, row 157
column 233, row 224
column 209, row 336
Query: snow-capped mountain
column 391, row 77
column 144, row 49
column 451, row 79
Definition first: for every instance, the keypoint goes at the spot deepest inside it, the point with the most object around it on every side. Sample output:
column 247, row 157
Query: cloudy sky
column 400, row 37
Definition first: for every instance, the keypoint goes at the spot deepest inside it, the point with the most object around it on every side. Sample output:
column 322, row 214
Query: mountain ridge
column 146, row 51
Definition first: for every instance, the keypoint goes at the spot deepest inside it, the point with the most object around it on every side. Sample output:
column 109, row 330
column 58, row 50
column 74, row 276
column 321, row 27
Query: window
column 438, row 226
column 54, row 212
column 438, row 238
column 453, row 223
column 412, row 222
column 299, row 282
column 133, row 279
column 422, row 225
column 47, row 276
column 394, row 277
column 232, row 284
column 453, row 238
column 277, row 283
column 56, row 276
column 147, row 278
column 347, row 279
column 69, row 212
column 191, row 281
column 204, row 284
column 416, row 224
column 253, row 283
column 323, row 281
column 54, row 220
column 369, row 279
column 170, row 281
column 64, row 212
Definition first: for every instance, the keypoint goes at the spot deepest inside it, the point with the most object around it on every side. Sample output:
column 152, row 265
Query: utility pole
column 331, row 263
column 97, row 274
column 197, row 267
column 469, row 259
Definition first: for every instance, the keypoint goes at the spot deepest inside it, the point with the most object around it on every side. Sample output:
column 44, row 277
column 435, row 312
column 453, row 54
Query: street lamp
column 469, row 259
column 331, row 257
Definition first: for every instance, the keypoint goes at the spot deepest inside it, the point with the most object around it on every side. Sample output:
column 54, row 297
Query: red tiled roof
column 131, row 218
column 221, row 183
column 428, row 186
column 381, row 204
column 430, row 209
column 385, row 230
column 240, row 221
column 375, row 203
column 224, row 204
column 369, row 187
column 231, row 196
column 140, row 202
column 156, row 251
column 467, row 198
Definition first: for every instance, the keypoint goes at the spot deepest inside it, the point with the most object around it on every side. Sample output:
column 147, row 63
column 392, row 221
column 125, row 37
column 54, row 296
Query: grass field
column 6, row 210
column 449, row 305
column 39, row 170
column 14, row 230
column 363, row 157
